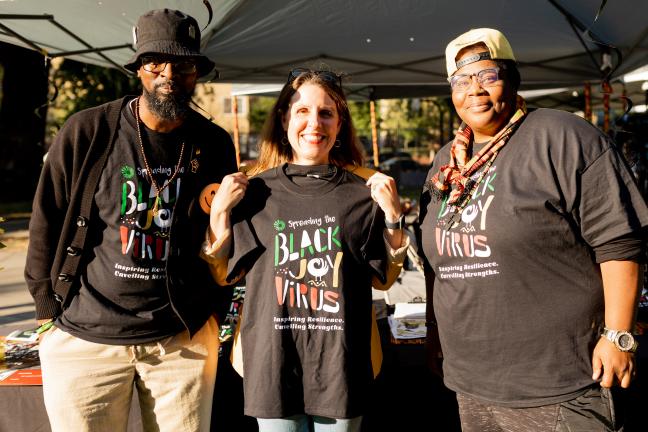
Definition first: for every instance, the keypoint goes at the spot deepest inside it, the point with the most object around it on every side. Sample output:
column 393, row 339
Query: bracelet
column 45, row 326
column 395, row 225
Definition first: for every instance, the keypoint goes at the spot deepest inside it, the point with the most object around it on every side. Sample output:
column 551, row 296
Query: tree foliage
column 411, row 121
column 79, row 86
column 260, row 108
column 361, row 115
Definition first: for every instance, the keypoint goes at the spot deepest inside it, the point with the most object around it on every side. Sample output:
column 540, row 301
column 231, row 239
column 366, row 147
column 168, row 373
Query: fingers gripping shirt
column 310, row 251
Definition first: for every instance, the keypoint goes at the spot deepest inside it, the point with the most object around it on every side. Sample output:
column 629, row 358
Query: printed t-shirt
column 312, row 244
column 517, row 291
column 123, row 296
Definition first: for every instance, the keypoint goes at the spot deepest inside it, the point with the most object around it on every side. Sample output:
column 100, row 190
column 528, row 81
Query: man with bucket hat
column 122, row 298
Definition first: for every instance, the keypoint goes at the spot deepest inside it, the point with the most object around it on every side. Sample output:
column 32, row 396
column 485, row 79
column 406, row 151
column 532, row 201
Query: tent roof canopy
column 388, row 48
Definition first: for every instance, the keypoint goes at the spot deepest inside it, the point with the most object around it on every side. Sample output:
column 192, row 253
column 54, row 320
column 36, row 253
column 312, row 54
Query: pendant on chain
column 158, row 190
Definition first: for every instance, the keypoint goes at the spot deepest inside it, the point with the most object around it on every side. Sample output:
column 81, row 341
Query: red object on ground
column 23, row 377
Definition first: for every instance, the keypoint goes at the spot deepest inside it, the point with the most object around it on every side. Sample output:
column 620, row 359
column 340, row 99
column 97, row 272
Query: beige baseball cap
column 498, row 47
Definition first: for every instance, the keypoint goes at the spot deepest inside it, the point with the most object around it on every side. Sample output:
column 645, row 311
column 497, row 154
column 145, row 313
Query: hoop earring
column 337, row 143
column 284, row 141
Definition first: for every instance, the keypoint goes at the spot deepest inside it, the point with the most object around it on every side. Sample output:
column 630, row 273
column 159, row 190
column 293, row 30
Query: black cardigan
column 61, row 215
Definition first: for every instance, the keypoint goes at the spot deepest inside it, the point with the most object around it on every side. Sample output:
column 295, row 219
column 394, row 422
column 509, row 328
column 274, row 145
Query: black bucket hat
column 169, row 32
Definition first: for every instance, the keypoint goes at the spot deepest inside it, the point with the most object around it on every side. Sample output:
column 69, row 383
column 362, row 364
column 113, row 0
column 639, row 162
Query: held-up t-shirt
column 311, row 244
column 517, row 292
column 123, row 296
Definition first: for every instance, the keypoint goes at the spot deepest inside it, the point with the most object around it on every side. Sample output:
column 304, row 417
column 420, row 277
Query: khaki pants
column 89, row 386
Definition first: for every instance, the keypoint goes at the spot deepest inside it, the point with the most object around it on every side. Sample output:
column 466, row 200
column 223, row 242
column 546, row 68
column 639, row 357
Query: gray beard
column 169, row 107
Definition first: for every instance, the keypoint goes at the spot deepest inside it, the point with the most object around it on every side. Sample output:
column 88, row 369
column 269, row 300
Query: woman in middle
column 312, row 231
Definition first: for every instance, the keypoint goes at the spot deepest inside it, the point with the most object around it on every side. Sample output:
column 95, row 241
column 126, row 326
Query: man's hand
column 41, row 331
column 612, row 366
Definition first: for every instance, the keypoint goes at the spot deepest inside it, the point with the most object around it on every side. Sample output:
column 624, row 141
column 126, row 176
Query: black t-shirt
column 311, row 244
column 518, row 294
column 123, row 296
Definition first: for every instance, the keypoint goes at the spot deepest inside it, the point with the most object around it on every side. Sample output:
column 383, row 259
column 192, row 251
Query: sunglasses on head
column 328, row 76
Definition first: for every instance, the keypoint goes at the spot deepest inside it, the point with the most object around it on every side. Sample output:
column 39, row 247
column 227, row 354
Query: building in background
column 215, row 101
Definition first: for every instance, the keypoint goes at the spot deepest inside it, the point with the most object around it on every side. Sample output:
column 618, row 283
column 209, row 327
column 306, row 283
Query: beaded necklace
column 158, row 190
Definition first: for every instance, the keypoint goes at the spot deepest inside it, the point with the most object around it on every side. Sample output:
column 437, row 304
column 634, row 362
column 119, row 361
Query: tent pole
column 236, row 131
column 24, row 40
column 374, row 129
column 607, row 89
column 442, row 139
column 89, row 50
column 587, row 95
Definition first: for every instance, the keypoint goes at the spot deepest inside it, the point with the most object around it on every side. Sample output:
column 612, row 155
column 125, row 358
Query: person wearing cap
column 532, row 230
column 115, row 234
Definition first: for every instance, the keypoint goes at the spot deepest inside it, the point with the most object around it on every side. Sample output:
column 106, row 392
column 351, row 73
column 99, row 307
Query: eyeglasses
column 328, row 76
column 485, row 78
column 158, row 64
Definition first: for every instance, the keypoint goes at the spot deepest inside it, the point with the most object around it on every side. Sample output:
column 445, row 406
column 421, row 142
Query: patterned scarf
column 459, row 170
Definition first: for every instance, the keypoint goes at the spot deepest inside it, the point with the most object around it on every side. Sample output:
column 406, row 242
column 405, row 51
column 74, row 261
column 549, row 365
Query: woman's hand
column 611, row 366
column 229, row 194
column 385, row 193
column 622, row 281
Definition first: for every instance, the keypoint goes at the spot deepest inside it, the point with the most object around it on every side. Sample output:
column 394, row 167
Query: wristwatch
column 623, row 340
column 395, row 225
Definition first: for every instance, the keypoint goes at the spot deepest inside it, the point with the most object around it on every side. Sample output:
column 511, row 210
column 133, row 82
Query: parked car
column 384, row 156
column 400, row 164
column 406, row 171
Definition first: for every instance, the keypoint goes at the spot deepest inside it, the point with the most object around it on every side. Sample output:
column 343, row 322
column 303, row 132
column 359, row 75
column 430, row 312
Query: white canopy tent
column 385, row 48
column 394, row 48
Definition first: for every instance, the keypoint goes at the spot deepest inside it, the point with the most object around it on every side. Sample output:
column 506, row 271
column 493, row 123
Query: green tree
column 260, row 108
column 361, row 115
column 411, row 122
column 80, row 86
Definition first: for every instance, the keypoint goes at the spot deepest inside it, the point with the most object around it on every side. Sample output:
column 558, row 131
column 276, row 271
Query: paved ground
column 16, row 305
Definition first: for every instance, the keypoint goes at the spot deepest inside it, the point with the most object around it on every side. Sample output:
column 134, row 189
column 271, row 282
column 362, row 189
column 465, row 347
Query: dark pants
column 591, row 412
